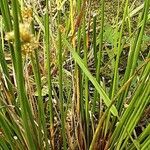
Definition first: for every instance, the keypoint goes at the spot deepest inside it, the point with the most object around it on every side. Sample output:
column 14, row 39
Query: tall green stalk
column 86, row 86
column 94, row 41
column 26, row 111
column 41, row 114
column 99, row 55
column 61, row 84
column 118, row 52
column 48, row 67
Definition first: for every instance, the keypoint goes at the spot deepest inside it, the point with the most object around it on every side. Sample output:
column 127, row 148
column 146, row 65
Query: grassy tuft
column 74, row 75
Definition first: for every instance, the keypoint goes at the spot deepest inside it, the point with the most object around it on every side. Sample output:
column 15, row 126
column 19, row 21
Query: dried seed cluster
column 27, row 14
column 29, row 42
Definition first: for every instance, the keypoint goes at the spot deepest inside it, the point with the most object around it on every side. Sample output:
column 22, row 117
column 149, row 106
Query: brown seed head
column 27, row 14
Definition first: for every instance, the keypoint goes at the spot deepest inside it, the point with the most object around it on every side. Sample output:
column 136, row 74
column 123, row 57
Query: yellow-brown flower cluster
column 28, row 41
column 27, row 15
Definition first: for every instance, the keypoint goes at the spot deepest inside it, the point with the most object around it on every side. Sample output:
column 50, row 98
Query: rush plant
column 69, row 79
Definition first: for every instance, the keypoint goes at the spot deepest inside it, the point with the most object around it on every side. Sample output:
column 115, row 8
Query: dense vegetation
column 74, row 74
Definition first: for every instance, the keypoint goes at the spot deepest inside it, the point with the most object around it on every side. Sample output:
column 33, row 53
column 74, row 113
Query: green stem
column 86, row 83
column 26, row 111
column 60, row 84
column 41, row 114
column 48, row 66
column 94, row 41
column 98, row 59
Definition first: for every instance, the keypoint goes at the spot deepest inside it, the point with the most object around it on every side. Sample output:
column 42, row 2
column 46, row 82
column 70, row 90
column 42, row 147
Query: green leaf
column 98, row 87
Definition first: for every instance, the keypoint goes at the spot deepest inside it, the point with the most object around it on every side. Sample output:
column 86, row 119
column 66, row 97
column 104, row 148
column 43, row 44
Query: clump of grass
column 46, row 102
